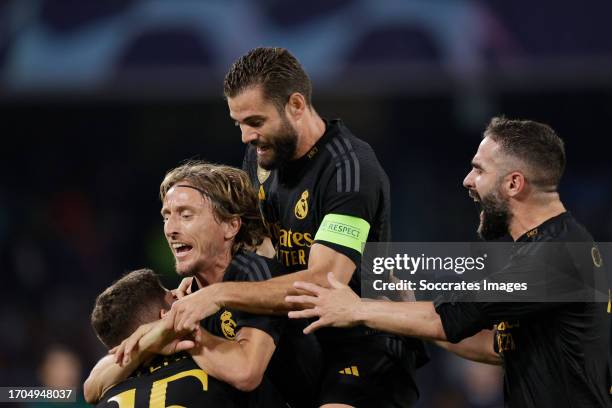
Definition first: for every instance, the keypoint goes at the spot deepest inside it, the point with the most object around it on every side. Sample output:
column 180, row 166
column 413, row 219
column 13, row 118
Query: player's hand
column 334, row 307
column 153, row 338
column 123, row 352
column 183, row 289
column 161, row 340
column 186, row 313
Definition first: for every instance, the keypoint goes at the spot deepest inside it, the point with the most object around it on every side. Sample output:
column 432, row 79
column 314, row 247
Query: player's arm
column 270, row 295
column 107, row 373
column 339, row 306
column 147, row 340
column 333, row 251
column 264, row 297
column 240, row 363
column 477, row 348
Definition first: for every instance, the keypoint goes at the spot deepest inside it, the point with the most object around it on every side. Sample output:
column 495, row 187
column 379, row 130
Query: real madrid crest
column 301, row 207
column 262, row 174
column 228, row 325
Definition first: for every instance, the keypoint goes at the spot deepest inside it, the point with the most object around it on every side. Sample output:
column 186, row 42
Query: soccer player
column 323, row 194
column 555, row 354
column 159, row 371
column 211, row 222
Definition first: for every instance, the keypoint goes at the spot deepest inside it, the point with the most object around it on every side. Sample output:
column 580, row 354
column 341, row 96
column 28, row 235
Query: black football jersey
column 336, row 195
column 172, row 381
column 555, row 354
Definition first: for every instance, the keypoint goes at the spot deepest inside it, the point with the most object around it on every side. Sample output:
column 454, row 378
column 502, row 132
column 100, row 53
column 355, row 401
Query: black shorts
column 375, row 370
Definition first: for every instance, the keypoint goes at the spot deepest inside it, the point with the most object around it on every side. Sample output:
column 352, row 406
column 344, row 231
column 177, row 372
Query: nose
column 171, row 227
column 468, row 181
column 248, row 134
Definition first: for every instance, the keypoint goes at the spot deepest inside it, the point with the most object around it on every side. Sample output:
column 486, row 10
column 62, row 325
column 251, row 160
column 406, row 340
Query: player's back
column 173, row 381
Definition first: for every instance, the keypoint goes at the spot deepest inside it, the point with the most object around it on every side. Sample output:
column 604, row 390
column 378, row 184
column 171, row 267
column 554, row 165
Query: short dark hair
column 133, row 300
column 536, row 144
column 231, row 194
column 278, row 72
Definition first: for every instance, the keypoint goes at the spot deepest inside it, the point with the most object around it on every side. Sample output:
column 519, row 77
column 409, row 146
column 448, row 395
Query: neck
column 531, row 213
column 214, row 272
column 313, row 129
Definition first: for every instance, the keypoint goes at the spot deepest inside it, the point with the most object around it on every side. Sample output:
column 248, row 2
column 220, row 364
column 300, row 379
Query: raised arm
column 105, row 374
column 149, row 339
column 240, row 363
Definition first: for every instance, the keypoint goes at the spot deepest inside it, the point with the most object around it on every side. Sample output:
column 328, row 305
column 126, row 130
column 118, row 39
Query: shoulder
column 344, row 144
column 562, row 228
column 353, row 161
column 248, row 266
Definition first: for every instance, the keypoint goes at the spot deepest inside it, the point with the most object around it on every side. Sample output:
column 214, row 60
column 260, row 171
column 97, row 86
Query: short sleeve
column 465, row 316
column 272, row 325
column 462, row 320
column 353, row 200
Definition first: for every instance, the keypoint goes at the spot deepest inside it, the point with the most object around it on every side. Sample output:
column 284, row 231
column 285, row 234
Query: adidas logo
column 350, row 371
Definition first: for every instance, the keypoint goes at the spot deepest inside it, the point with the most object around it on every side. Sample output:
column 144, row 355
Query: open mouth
column 262, row 149
column 181, row 248
column 478, row 203
column 474, row 196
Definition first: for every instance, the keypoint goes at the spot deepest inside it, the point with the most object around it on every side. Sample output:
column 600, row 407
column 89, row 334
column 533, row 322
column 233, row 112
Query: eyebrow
column 250, row 118
column 179, row 209
column 477, row 166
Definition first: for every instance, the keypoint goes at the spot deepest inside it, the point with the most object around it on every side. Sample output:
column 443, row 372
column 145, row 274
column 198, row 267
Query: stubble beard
column 283, row 146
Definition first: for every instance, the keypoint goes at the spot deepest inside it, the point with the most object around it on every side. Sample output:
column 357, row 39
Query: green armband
column 345, row 230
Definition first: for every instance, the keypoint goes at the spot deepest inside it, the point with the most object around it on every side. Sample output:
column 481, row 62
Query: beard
column 189, row 269
column 282, row 147
column 495, row 217
column 185, row 272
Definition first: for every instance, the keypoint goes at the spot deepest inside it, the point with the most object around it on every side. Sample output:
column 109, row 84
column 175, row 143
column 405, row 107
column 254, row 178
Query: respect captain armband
column 344, row 230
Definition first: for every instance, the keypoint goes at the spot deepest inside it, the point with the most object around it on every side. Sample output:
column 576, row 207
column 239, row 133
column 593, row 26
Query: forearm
column 477, row 348
column 266, row 297
column 107, row 373
column 415, row 319
column 223, row 359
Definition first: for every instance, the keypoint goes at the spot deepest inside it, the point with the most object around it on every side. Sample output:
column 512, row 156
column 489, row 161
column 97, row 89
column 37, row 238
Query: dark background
column 98, row 101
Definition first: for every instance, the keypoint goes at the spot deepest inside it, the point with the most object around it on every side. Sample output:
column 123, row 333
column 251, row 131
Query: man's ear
column 232, row 227
column 163, row 313
column 296, row 105
column 514, row 183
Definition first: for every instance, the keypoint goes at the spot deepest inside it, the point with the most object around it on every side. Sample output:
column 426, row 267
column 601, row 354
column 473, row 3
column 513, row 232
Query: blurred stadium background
column 99, row 99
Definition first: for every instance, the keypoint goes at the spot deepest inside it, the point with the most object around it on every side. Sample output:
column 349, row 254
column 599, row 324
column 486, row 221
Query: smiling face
column 264, row 127
column 195, row 236
column 484, row 184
